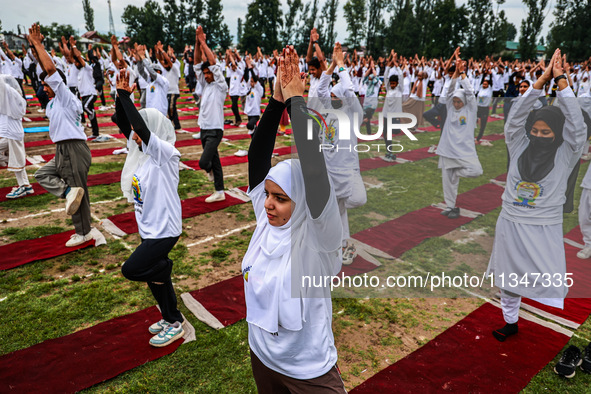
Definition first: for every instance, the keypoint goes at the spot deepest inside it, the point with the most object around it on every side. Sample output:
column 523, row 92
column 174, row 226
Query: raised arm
column 200, row 35
column 311, row 159
column 127, row 113
column 76, row 53
column 35, row 41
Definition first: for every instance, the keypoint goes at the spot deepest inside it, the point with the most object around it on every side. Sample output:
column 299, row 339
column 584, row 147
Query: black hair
column 393, row 78
column 452, row 69
column 60, row 72
column 205, row 65
column 314, row 62
column 254, row 78
column 525, row 81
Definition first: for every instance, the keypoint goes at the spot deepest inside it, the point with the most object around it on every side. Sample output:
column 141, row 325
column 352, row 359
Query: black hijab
column 537, row 160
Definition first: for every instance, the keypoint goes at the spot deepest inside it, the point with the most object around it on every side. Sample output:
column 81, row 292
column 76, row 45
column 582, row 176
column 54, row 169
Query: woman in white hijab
column 12, row 147
column 297, row 242
column 456, row 149
column 528, row 257
column 150, row 180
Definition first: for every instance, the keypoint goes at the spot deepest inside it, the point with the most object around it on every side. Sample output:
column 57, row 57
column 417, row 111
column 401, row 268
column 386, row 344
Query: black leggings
column 235, row 110
column 252, row 122
column 483, row 116
column 172, row 111
column 150, row 263
column 88, row 107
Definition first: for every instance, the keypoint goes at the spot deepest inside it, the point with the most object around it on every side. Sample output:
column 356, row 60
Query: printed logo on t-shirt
column 330, row 132
column 245, row 272
column 527, row 193
column 462, row 121
column 152, row 89
column 137, row 190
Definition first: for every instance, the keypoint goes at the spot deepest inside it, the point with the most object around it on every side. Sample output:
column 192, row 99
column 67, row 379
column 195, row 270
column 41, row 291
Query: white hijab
column 270, row 255
column 12, row 102
column 160, row 127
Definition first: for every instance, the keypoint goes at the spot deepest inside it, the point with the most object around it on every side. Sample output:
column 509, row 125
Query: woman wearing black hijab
column 544, row 146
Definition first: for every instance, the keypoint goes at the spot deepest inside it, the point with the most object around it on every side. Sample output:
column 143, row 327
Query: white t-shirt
column 64, row 112
column 173, row 75
column 252, row 106
column 72, row 75
column 235, row 79
column 86, row 81
column 156, row 94
column 309, row 352
column 213, row 95
column 541, row 202
column 155, row 191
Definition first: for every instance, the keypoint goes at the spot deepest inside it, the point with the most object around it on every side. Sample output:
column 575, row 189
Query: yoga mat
column 399, row 235
column 190, row 207
column 84, row 358
column 224, row 300
column 93, row 180
column 232, row 160
column 577, row 305
column 41, row 129
column 22, row 252
column 467, row 359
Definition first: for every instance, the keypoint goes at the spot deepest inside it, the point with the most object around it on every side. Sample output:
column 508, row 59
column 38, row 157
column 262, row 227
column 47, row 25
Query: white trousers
column 15, row 152
column 357, row 198
column 510, row 305
column 451, row 180
column 585, row 216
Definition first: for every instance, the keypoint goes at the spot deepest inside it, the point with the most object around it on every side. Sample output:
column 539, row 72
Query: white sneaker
column 584, row 253
column 120, row 151
column 73, row 200
column 241, row 153
column 197, row 136
column 41, row 110
column 349, row 254
column 432, row 149
column 77, row 239
column 181, row 131
column 216, row 196
column 210, row 176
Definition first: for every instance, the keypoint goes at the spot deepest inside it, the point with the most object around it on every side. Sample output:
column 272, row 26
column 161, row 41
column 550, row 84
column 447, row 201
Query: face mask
column 540, row 142
column 336, row 103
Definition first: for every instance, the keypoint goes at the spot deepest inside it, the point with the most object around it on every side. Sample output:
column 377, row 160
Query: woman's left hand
column 123, row 81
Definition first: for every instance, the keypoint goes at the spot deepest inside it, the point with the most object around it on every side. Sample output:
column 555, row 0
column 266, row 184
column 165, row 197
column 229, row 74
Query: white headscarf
column 12, row 102
column 161, row 127
column 271, row 256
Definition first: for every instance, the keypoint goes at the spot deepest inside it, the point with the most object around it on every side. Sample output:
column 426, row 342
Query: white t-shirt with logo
column 156, row 94
column 86, row 81
column 64, row 112
column 252, row 106
column 155, row 191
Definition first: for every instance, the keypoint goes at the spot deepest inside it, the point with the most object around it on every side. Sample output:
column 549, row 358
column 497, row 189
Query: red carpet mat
column 577, row 305
column 404, row 233
column 232, row 160
column 467, row 359
column 190, row 207
column 224, row 300
column 23, row 252
column 93, row 180
column 84, row 358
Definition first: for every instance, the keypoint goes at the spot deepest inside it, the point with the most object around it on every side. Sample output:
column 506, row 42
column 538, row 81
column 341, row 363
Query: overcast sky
column 70, row 12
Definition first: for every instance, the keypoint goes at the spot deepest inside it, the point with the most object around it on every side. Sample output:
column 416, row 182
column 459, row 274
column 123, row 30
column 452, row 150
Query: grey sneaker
column 168, row 335
column 158, row 326
column 454, row 213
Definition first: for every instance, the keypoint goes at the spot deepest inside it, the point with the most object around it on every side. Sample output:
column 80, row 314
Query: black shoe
column 446, row 211
column 454, row 213
column 227, row 121
column 570, row 360
column 586, row 364
column 505, row 332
